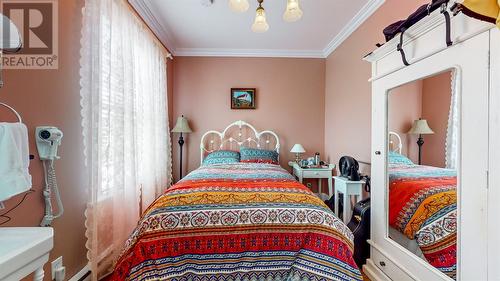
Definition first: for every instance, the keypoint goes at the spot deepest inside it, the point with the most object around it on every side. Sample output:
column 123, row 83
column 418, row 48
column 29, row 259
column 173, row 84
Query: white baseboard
column 79, row 275
column 373, row 272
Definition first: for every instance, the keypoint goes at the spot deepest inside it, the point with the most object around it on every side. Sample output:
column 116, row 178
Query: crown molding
column 165, row 36
column 263, row 53
column 365, row 12
column 142, row 7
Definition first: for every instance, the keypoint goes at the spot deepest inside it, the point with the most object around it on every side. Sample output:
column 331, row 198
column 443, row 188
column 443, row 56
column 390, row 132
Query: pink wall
column 427, row 99
column 348, row 92
column 290, row 100
column 405, row 105
column 436, row 98
column 52, row 97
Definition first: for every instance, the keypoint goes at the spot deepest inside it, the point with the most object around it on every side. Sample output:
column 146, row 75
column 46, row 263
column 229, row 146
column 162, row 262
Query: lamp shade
column 182, row 126
column 260, row 24
column 298, row 148
column 420, row 127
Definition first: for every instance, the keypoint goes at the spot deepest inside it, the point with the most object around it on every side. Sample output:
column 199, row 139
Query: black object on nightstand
column 360, row 227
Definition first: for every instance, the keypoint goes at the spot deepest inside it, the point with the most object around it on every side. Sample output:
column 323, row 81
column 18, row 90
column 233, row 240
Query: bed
column 238, row 221
column 423, row 210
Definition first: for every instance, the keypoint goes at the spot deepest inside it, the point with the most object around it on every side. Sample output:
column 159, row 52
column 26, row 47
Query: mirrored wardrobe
column 432, row 145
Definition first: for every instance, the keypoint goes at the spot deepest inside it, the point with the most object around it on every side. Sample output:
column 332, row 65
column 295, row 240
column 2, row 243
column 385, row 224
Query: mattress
column 423, row 207
column 243, row 221
column 409, row 244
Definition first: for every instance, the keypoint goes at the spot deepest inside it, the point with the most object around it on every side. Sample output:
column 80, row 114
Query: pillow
column 396, row 158
column 222, row 157
column 255, row 155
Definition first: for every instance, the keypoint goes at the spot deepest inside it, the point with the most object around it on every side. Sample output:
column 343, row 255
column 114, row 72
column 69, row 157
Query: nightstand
column 315, row 173
column 347, row 188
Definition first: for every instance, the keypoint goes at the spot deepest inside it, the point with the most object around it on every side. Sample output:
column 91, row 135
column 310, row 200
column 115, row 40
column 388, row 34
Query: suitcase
column 360, row 227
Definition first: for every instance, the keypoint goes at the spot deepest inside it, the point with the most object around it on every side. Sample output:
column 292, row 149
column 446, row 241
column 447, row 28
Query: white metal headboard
column 227, row 136
column 399, row 147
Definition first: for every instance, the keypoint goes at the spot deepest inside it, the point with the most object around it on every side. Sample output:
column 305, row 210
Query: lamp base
column 297, row 157
column 420, row 143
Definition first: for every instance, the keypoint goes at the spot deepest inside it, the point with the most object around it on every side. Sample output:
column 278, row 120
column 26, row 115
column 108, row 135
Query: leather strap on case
column 400, row 48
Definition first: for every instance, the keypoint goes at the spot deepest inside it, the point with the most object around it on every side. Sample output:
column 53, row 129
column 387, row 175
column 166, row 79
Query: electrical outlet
column 56, row 264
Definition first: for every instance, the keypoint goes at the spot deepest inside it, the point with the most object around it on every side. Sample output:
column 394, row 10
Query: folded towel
column 14, row 160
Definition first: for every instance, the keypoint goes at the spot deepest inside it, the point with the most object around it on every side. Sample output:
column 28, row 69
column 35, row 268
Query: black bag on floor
column 360, row 227
column 401, row 26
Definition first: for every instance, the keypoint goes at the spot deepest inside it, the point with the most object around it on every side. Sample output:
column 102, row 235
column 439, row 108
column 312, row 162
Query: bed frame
column 395, row 148
column 235, row 135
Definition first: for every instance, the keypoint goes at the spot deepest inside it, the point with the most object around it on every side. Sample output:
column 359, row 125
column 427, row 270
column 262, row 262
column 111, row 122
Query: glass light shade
column 239, row 6
column 260, row 25
column 420, row 127
column 293, row 11
column 182, row 126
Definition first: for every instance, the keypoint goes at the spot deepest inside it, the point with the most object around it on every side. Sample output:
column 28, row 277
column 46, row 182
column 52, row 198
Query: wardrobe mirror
column 422, row 170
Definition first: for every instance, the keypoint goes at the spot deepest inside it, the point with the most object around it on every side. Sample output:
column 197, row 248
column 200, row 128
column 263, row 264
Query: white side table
column 24, row 250
column 315, row 173
column 347, row 188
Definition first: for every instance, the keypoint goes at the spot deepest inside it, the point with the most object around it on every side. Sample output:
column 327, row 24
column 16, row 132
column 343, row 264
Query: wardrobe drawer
column 388, row 267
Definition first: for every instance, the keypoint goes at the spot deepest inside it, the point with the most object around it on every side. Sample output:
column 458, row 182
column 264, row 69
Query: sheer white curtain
column 453, row 130
column 125, row 125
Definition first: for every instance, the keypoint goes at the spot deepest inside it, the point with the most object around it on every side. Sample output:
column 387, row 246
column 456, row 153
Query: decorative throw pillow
column 396, row 158
column 255, row 155
column 222, row 157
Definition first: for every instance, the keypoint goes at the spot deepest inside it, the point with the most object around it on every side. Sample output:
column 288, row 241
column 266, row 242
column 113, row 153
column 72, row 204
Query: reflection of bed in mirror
column 422, row 208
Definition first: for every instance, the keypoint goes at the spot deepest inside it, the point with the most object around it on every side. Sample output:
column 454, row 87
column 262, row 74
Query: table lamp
column 182, row 127
column 420, row 127
column 297, row 149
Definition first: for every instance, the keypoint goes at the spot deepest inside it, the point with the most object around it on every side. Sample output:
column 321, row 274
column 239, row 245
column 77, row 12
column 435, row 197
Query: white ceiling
column 189, row 28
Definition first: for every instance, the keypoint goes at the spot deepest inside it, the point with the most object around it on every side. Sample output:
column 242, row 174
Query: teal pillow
column 396, row 158
column 255, row 155
column 222, row 157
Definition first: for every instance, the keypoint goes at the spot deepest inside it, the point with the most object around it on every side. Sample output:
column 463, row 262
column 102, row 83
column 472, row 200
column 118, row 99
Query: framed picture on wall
column 243, row 98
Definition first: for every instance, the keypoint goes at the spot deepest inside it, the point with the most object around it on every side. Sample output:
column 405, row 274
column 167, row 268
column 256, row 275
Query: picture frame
column 243, row 98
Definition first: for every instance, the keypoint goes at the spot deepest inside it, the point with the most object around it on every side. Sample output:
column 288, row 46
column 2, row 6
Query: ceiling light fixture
column 260, row 24
column 239, row 6
column 292, row 13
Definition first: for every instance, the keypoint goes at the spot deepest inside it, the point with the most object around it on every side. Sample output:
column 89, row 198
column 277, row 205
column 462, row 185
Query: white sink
column 24, row 250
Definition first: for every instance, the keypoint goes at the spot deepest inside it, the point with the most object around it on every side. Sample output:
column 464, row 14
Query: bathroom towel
column 14, row 160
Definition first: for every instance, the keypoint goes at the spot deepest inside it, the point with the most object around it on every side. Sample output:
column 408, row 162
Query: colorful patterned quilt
column 244, row 221
column 423, row 206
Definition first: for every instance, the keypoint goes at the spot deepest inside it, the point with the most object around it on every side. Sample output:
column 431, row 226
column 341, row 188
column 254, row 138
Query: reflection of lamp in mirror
column 297, row 149
column 420, row 127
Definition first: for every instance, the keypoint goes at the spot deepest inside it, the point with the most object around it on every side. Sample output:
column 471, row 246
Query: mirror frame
column 456, row 77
